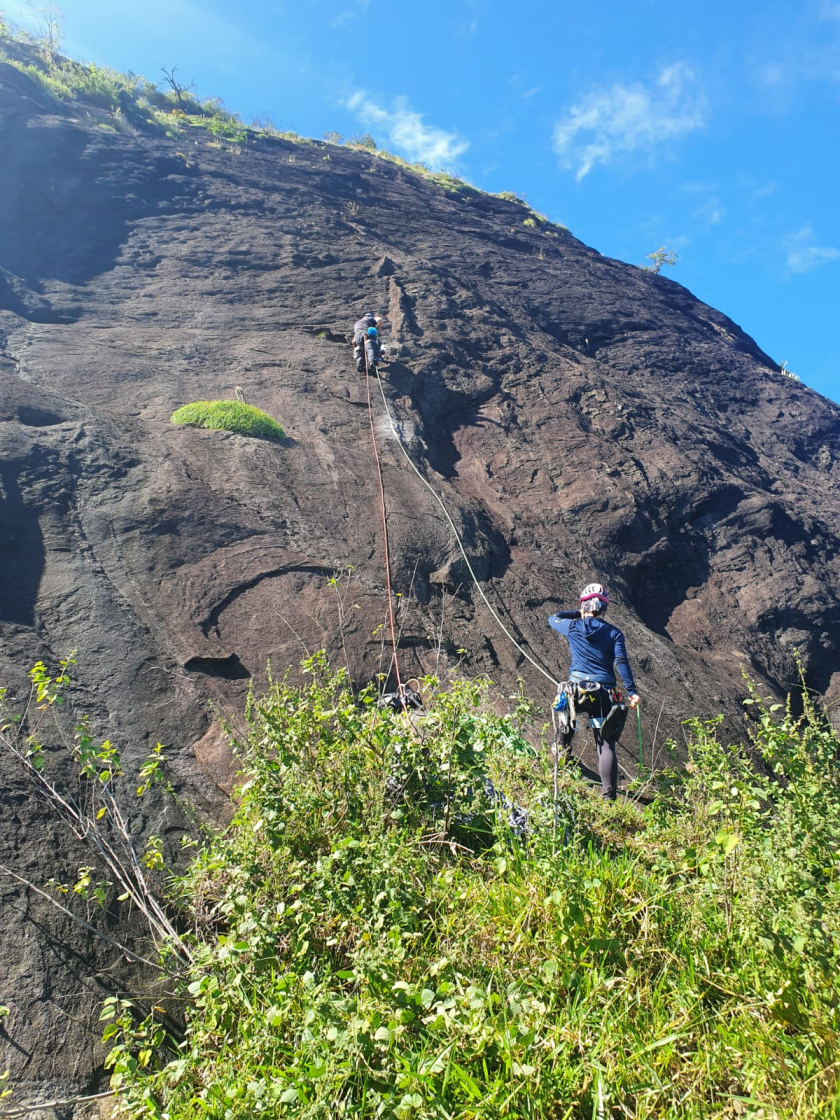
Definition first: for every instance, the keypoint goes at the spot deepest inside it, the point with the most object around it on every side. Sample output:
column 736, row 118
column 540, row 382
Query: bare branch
column 79, row 921
column 28, row 1109
column 172, row 81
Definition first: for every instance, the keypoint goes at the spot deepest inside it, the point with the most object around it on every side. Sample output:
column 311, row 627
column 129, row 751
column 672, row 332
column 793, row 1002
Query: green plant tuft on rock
column 229, row 416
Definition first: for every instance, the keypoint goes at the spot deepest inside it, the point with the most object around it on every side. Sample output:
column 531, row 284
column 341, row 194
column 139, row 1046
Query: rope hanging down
column 439, row 501
column 391, row 625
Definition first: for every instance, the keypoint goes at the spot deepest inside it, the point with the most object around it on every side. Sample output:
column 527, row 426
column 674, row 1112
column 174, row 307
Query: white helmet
column 596, row 597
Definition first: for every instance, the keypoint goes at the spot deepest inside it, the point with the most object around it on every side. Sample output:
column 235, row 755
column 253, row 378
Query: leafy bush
column 373, row 939
column 227, row 129
column 97, row 85
column 365, row 142
column 230, row 416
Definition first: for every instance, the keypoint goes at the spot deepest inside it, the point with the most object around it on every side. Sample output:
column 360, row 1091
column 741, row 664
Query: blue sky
column 710, row 128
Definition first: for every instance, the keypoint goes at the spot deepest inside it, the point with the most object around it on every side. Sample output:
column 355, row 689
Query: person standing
column 597, row 648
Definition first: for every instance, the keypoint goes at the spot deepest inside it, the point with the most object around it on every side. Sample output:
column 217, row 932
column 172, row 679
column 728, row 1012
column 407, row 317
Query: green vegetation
column 66, row 81
column 132, row 102
column 660, row 258
column 226, row 129
column 229, row 416
column 786, row 371
column 370, row 937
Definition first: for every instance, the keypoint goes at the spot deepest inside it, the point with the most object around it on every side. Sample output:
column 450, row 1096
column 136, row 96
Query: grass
column 229, row 416
column 132, row 102
column 370, row 938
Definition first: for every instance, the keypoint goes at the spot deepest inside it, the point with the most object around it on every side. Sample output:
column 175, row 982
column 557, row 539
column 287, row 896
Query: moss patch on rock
column 229, row 416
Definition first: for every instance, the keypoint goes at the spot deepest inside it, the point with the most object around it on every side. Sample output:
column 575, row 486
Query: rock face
column 581, row 420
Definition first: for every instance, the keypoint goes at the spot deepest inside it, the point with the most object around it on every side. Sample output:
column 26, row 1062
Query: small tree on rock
column 660, row 257
column 49, row 19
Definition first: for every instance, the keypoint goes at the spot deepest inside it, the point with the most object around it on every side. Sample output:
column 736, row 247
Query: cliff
column 580, row 418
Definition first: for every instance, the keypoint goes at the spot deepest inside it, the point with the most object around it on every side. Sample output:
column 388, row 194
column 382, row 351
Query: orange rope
column 384, row 529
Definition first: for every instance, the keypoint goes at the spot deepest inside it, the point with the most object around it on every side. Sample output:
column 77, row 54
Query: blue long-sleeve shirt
column 597, row 648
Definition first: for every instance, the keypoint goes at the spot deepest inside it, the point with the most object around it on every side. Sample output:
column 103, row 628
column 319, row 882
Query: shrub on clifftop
column 229, row 416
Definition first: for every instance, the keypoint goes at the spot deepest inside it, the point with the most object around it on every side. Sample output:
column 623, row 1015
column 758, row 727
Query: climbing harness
column 585, row 697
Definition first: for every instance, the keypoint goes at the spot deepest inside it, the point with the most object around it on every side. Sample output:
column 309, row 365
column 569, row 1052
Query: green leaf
column 727, row 840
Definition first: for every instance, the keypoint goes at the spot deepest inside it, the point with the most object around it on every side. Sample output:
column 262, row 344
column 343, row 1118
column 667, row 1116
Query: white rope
column 439, row 501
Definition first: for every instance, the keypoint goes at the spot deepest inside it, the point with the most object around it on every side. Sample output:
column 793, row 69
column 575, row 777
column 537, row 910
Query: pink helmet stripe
column 595, row 591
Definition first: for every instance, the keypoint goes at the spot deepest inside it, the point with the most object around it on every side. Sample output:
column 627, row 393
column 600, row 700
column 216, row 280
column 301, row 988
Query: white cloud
column 711, row 212
column 803, row 255
column 766, row 190
column 407, row 132
column 469, row 24
column 350, row 14
column 773, row 73
column 624, row 119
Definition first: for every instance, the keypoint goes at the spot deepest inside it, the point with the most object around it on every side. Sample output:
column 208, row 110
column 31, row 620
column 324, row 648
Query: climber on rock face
column 366, row 342
column 597, row 648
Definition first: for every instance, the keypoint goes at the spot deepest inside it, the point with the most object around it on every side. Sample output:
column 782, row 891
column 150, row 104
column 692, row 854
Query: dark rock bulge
column 581, row 420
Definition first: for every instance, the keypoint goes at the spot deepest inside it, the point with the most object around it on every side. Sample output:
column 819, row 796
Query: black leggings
column 607, row 755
